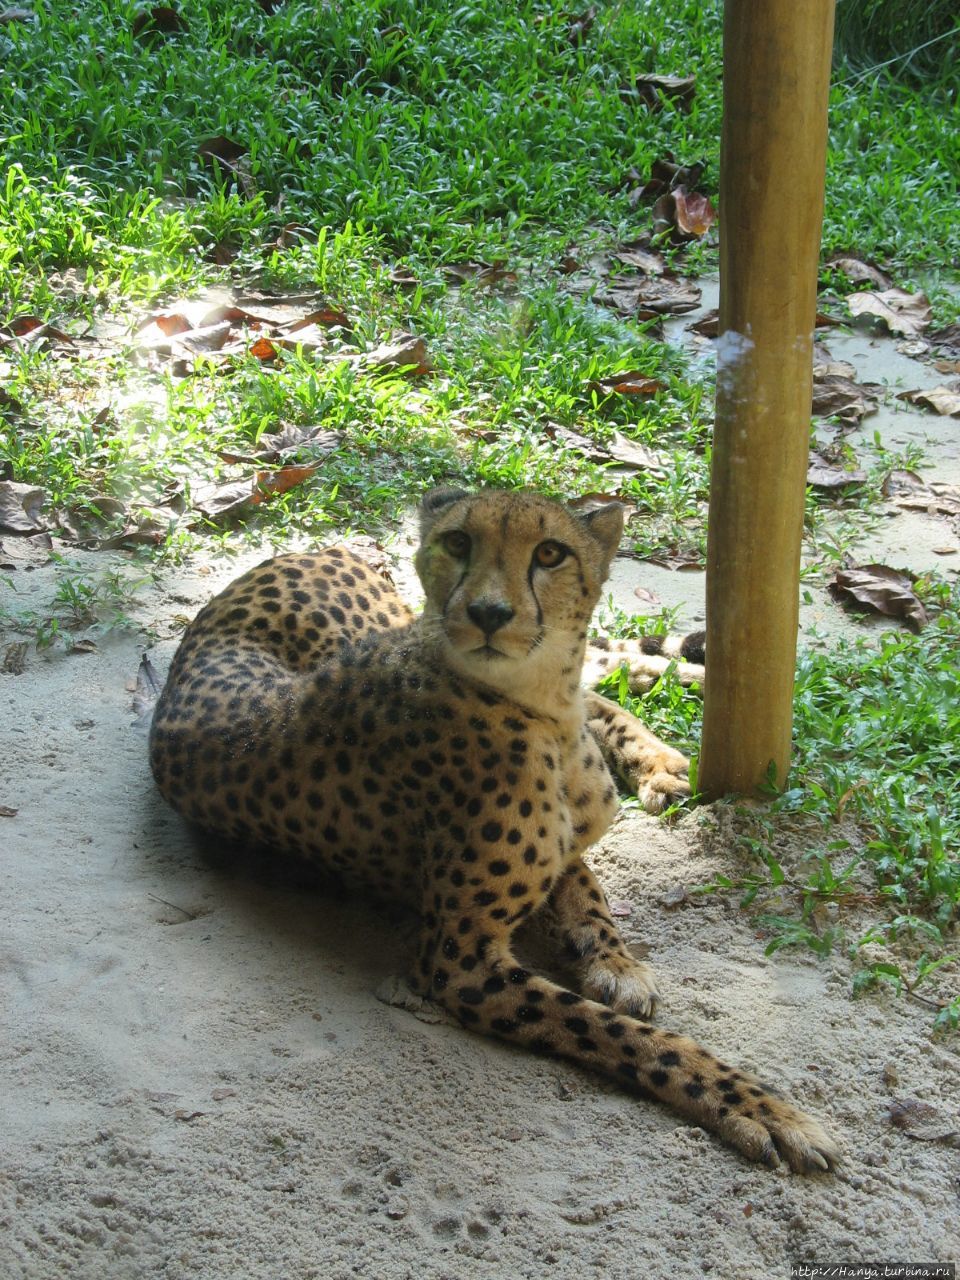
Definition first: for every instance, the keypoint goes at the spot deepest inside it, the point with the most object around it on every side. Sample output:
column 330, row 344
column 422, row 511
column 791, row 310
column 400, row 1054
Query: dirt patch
column 199, row 1080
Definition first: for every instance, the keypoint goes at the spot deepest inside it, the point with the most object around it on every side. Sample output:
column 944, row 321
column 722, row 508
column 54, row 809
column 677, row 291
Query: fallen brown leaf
column 638, row 254
column 405, row 351
column 835, row 396
column 485, row 274
column 21, row 508
column 328, row 317
column 7, row 812
column 942, row 400
column 16, row 15
column 921, row 1120
column 859, row 270
column 947, row 340
column 910, row 492
column 901, row 312
column 643, row 297
column 222, row 149
column 159, row 20
column 223, row 501
column 263, row 349
column 822, row 473
column 654, row 91
column 273, row 482
column 882, row 589
column 630, row 453
column 630, row 383
column 665, row 175
column 686, row 215
column 708, row 326
column 580, row 25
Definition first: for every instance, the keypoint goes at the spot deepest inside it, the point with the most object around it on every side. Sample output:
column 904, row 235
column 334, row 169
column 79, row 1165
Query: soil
column 211, row 1076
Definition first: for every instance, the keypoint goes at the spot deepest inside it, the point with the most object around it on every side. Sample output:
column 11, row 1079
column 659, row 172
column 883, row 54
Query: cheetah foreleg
column 578, row 918
column 496, row 996
column 655, row 772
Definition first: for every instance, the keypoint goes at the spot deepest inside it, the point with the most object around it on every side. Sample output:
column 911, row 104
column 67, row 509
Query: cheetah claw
column 787, row 1136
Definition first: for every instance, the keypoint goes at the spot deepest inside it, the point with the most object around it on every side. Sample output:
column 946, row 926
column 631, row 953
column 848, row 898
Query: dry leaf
column 858, row 270
column 921, row 1121
column 643, row 297
column 621, row 909
column 630, row 383
column 222, row 501
column 901, row 312
column 947, row 340
column 160, row 20
column 708, row 326
column 638, row 254
column 630, row 453
column 911, row 493
column 694, row 215
column 486, row 274
column 835, row 396
column 654, row 91
column 882, row 589
column 405, row 352
column 580, row 25
column 171, row 323
column 221, row 149
column 7, row 812
column 264, row 350
column 328, row 317
column 272, row 482
column 942, row 400
column 16, row 15
column 21, row 508
column 824, row 474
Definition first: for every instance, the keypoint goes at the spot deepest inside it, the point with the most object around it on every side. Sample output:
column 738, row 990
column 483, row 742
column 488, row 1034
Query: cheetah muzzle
column 455, row 761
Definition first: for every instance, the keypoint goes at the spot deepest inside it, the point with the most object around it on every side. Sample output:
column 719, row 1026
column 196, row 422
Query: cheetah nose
column 488, row 615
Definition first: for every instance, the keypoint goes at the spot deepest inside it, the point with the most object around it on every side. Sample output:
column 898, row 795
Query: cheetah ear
column 606, row 525
column 436, row 501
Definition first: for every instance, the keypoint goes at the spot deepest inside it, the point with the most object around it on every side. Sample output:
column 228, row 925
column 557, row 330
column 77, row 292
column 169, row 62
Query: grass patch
column 874, row 792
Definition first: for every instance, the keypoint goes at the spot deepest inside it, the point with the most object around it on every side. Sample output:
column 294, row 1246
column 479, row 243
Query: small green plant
column 82, row 601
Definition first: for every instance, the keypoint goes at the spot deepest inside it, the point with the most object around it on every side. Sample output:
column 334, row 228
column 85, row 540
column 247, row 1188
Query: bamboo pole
column 776, row 70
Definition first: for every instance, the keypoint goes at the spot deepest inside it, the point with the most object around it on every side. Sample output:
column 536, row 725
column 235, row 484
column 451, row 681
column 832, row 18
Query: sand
column 201, row 1075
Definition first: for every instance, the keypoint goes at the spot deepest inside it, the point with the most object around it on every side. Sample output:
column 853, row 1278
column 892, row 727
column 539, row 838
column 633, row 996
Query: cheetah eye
column 549, row 554
column 456, row 543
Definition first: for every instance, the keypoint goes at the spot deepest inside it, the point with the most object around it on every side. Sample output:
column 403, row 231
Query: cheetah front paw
column 781, row 1132
column 626, row 985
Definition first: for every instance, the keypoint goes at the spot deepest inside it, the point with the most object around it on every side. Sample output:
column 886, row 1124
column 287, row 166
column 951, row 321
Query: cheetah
column 454, row 762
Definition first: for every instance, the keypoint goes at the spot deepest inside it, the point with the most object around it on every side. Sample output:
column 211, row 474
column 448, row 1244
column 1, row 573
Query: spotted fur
column 454, row 762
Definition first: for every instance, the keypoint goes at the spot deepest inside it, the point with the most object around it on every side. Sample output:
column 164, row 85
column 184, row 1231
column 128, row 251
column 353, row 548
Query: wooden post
column 776, row 72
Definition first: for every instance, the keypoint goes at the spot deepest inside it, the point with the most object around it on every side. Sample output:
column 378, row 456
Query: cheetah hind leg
column 577, row 920
column 656, row 773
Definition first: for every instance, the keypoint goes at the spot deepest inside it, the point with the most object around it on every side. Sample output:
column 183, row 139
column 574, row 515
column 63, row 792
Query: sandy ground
column 198, row 1078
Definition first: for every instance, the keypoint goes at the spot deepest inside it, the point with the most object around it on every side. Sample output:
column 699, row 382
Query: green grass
column 382, row 134
column 873, row 793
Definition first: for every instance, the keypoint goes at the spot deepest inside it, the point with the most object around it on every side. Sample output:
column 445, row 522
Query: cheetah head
column 511, row 580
